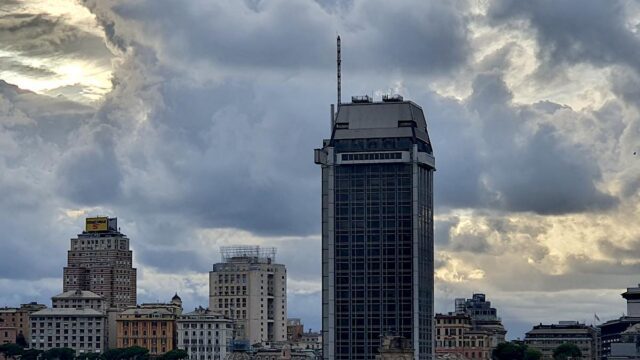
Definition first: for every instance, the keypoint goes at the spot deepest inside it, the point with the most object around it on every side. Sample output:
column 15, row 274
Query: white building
column 78, row 299
column 204, row 334
column 80, row 329
column 251, row 289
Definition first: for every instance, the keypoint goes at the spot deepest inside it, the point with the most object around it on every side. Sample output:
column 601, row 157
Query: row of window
column 372, row 156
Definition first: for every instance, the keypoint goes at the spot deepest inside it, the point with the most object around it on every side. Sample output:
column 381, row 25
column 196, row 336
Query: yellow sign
column 97, row 224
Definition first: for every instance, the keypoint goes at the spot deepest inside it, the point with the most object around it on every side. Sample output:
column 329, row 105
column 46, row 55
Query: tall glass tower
column 377, row 229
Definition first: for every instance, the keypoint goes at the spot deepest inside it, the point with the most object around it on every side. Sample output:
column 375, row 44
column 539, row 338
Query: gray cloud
column 575, row 31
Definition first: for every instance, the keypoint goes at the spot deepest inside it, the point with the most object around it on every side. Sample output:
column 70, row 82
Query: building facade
column 456, row 337
column 18, row 318
column 377, row 229
column 149, row 327
column 78, row 299
column 484, row 318
column 628, row 348
column 80, row 329
column 546, row 338
column 8, row 335
column 251, row 289
column 204, row 334
column 611, row 331
column 100, row 261
column 295, row 328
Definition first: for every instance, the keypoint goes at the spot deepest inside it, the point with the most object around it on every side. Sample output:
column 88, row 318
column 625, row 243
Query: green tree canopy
column 31, row 354
column 532, row 354
column 508, row 351
column 11, row 350
column 21, row 341
column 59, row 354
column 135, row 353
column 175, row 354
column 567, row 351
column 88, row 356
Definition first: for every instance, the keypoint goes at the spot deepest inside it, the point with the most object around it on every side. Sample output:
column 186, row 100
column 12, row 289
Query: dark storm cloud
column 575, row 31
column 414, row 37
column 492, row 155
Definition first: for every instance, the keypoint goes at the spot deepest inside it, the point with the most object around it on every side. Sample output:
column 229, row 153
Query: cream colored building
column 204, row 334
column 546, row 338
column 79, row 299
column 251, row 289
column 80, row 329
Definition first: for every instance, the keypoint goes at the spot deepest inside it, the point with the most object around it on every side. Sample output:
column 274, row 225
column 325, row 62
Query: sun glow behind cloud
column 67, row 71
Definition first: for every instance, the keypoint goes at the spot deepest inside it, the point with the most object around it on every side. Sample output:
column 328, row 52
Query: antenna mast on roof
column 339, row 76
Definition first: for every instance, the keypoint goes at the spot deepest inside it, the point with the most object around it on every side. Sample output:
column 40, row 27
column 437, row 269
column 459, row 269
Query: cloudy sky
column 194, row 123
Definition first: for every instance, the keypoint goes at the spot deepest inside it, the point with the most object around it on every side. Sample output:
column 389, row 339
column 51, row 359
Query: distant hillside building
column 100, row 261
column 204, row 334
column 546, row 338
column 611, row 331
column 250, row 288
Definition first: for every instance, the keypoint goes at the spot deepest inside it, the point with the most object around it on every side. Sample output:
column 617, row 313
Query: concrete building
column 204, row 334
column 100, row 261
column 251, row 289
column 377, row 229
column 483, row 317
column 79, row 329
column 152, row 328
column 18, row 318
column 395, row 348
column 611, row 331
column 79, row 299
column 295, row 328
column 457, row 337
column 628, row 348
column 546, row 338
column 8, row 335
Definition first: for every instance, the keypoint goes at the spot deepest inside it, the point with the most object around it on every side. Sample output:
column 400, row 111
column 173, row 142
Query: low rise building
column 628, row 348
column 309, row 341
column 7, row 336
column 546, row 338
column 18, row 318
column 204, row 334
column 456, row 337
column 395, row 348
column 79, row 299
column 611, row 331
column 79, row 329
column 152, row 328
column 295, row 328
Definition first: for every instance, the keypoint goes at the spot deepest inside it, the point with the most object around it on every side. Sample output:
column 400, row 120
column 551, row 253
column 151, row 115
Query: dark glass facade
column 377, row 212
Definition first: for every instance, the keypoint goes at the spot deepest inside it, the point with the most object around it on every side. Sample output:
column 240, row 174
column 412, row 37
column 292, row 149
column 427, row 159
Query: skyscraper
column 250, row 288
column 100, row 261
column 377, row 229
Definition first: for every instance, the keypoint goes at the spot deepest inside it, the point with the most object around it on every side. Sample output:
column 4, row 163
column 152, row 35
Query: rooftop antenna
column 339, row 76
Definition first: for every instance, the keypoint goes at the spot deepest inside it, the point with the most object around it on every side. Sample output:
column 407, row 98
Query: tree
column 567, row 351
column 508, row 351
column 59, row 354
column 87, row 356
column 31, row 354
column 175, row 354
column 10, row 351
column 532, row 354
column 135, row 353
column 21, row 341
column 112, row 354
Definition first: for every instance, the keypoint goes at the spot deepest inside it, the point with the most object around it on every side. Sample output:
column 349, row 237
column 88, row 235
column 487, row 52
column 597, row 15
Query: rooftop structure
column 255, row 253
